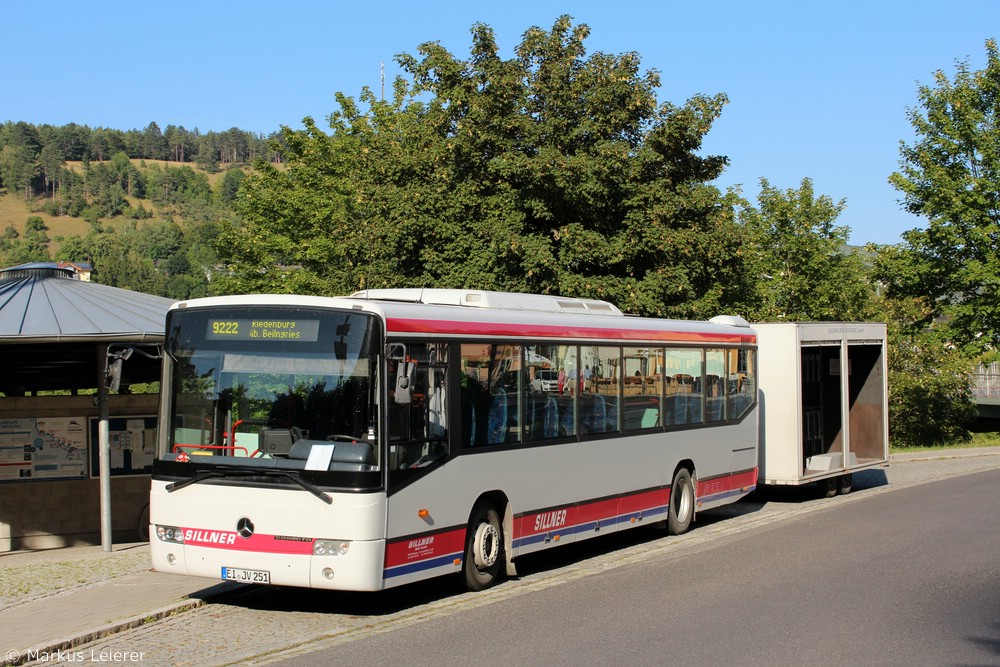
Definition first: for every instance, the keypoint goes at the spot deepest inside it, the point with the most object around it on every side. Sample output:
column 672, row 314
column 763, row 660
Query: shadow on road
column 861, row 480
column 274, row 598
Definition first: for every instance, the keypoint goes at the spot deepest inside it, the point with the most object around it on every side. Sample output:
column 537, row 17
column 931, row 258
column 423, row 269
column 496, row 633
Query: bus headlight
column 330, row 547
column 170, row 534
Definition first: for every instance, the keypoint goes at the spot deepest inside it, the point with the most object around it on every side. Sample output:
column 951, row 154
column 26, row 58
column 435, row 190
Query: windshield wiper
column 200, row 477
column 315, row 490
column 242, row 472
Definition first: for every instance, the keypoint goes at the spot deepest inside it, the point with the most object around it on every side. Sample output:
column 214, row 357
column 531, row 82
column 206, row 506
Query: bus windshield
column 261, row 387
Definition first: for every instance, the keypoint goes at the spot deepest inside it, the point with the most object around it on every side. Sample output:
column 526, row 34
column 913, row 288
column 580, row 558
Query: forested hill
column 49, row 145
column 142, row 207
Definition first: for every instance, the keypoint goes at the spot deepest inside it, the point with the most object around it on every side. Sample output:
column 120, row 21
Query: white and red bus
column 364, row 442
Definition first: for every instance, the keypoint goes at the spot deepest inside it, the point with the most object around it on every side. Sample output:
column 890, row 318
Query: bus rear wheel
column 483, row 548
column 680, row 510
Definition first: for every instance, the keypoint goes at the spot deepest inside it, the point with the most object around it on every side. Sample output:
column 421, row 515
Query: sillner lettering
column 548, row 520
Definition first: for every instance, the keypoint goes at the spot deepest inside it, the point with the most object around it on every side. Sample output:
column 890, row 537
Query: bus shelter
column 70, row 350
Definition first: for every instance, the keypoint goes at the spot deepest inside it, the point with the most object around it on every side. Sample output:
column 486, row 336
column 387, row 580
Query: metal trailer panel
column 814, row 425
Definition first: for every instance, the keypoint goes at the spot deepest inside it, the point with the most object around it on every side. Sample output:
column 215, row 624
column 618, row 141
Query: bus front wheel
column 483, row 548
column 680, row 510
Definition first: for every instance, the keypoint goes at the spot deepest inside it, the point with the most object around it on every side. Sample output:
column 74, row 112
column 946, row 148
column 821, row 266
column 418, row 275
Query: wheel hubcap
column 486, row 547
column 683, row 502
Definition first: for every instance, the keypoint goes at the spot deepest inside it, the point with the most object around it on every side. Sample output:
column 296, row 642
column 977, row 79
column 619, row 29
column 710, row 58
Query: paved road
column 891, row 580
column 268, row 625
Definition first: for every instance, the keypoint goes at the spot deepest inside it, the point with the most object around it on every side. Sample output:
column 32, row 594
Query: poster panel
column 43, row 448
column 133, row 442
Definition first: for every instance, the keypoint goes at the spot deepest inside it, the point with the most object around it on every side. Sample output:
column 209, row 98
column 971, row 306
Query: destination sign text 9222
column 263, row 330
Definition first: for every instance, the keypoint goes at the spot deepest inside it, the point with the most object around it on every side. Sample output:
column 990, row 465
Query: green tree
column 950, row 175
column 52, row 163
column 153, row 144
column 800, row 260
column 207, row 156
column 930, row 396
column 73, row 141
column 32, row 246
column 74, row 248
column 157, row 240
column 21, row 134
column 230, row 185
column 552, row 171
column 119, row 264
column 17, row 168
column 296, row 223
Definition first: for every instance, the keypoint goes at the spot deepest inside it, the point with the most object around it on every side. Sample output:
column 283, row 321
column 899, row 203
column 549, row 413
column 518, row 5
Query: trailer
column 824, row 402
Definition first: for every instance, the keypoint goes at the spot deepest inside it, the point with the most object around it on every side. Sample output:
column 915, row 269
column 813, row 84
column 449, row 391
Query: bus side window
column 642, row 387
column 492, row 384
column 715, row 385
column 741, row 386
column 543, row 392
column 683, row 400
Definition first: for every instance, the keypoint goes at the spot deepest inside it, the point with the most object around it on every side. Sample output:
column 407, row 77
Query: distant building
column 82, row 269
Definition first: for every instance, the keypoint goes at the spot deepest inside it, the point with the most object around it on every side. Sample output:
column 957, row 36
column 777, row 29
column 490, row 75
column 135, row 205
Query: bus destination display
column 305, row 331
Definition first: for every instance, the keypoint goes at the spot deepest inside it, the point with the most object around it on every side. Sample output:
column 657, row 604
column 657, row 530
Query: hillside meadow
column 15, row 211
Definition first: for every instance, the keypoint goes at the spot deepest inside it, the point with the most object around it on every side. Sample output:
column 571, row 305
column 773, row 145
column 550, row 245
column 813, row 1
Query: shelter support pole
column 104, row 444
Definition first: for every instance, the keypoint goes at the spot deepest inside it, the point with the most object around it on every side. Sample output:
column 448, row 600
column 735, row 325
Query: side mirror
column 404, row 382
column 113, row 376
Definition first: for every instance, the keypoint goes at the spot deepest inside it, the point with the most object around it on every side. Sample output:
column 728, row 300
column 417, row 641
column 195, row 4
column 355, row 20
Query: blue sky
column 817, row 90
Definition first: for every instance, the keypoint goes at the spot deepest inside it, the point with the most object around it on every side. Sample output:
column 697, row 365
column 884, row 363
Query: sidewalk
column 57, row 599
column 54, row 600
column 943, row 454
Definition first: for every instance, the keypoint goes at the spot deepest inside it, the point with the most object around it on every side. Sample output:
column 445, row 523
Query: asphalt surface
column 79, row 603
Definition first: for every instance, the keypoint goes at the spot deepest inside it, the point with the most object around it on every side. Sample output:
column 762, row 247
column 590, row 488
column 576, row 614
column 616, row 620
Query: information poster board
column 43, row 448
column 133, row 442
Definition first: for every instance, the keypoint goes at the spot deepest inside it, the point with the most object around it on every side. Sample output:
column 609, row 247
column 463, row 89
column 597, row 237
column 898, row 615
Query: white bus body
column 365, row 442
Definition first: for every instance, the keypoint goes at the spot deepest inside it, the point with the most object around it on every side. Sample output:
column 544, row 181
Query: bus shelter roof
column 52, row 324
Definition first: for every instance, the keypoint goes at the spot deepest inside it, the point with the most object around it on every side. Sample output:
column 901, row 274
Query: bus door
column 417, row 406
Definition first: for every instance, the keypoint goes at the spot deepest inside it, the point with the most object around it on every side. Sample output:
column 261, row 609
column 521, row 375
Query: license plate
column 246, row 576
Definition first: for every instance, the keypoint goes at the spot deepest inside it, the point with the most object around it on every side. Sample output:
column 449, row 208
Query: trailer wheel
column 680, row 511
column 828, row 487
column 483, row 548
column 844, row 484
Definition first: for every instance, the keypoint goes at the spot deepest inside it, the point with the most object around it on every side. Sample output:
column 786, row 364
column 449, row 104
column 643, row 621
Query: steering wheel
column 348, row 438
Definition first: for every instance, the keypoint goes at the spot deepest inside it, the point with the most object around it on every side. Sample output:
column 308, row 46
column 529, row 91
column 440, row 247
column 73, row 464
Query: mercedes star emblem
column 244, row 527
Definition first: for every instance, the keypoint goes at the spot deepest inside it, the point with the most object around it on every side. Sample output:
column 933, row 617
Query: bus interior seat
column 551, row 418
column 601, row 415
column 469, row 422
column 497, row 425
column 541, row 416
column 593, row 417
column 567, row 423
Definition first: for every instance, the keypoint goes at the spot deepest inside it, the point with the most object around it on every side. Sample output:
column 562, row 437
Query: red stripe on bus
column 715, row 485
column 554, row 520
column 231, row 541
column 455, row 327
column 644, row 501
column 423, row 547
column 418, row 548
